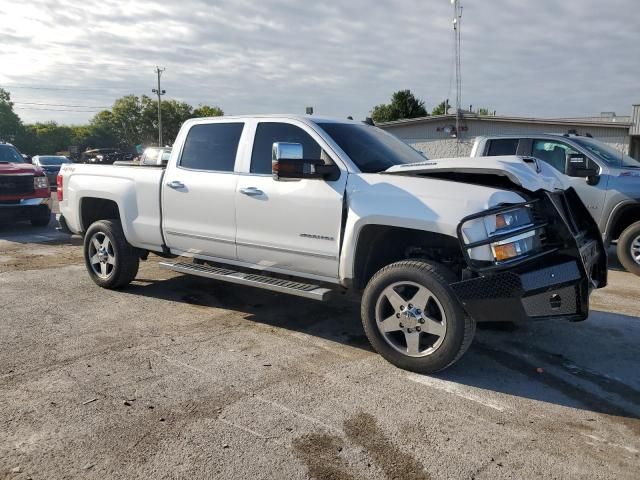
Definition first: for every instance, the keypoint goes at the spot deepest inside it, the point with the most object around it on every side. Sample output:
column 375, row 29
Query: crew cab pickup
column 605, row 179
column 311, row 206
column 24, row 189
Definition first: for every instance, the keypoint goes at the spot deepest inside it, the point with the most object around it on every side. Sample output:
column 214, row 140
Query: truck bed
column 139, row 185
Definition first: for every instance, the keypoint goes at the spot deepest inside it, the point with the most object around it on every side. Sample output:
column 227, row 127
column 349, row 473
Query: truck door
column 554, row 153
column 198, row 195
column 289, row 225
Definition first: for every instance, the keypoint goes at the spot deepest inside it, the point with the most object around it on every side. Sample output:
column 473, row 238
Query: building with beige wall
column 436, row 135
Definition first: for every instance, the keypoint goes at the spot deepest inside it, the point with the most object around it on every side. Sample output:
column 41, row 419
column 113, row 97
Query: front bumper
column 555, row 284
column 24, row 209
column 560, row 290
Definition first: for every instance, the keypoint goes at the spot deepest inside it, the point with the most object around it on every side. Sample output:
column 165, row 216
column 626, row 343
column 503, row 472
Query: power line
column 56, row 109
column 69, row 87
column 61, row 105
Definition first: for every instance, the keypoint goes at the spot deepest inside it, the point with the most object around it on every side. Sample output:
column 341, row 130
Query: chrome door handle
column 175, row 184
column 251, row 191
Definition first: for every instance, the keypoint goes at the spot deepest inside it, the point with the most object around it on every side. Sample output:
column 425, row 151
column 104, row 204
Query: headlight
column 506, row 235
column 514, row 247
column 40, row 182
column 509, row 220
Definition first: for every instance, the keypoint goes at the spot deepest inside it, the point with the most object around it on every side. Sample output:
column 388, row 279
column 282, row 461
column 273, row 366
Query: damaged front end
column 539, row 259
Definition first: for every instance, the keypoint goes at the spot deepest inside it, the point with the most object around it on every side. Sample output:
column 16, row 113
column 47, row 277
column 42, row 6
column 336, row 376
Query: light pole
column 159, row 92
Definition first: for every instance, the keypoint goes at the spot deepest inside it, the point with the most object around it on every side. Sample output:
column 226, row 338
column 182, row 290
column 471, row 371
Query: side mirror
column 577, row 165
column 287, row 162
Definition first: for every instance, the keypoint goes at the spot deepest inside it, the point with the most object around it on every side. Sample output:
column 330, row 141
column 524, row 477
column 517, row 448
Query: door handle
column 251, row 191
column 175, row 184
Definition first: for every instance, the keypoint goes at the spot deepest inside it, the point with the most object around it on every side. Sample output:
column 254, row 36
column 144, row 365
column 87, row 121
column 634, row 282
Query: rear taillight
column 59, row 189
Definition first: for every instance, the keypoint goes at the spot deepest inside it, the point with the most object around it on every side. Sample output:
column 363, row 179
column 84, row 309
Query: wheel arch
column 624, row 215
column 379, row 245
column 93, row 209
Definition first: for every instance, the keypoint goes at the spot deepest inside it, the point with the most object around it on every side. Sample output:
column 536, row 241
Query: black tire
column 126, row 259
column 42, row 218
column 628, row 241
column 460, row 328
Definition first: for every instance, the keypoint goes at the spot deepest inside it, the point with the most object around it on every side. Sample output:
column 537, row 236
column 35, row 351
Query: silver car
column 51, row 165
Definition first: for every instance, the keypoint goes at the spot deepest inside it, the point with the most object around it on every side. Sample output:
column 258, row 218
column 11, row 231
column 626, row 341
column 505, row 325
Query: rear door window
column 212, row 147
column 502, row 146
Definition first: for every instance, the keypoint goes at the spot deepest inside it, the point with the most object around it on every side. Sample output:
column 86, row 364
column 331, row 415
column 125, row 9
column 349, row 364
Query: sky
column 548, row 58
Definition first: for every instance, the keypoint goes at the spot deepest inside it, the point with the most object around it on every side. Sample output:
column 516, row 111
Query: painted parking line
column 462, row 391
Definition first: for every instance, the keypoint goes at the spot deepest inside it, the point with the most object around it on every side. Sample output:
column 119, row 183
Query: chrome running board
column 299, row 289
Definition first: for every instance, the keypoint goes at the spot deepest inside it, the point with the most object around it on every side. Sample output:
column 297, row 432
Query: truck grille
column 16, row 184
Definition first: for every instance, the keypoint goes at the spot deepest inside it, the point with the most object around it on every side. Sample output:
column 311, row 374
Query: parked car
column 607, row 181
column 310, row 206
column 24, row 189
column 104, row 156
column 51, row 165
column 155, row 156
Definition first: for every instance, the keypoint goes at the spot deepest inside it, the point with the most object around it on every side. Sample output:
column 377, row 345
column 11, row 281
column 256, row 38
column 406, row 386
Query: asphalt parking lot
column 180, row 377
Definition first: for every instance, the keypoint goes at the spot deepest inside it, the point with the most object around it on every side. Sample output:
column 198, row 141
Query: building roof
column 586, row 122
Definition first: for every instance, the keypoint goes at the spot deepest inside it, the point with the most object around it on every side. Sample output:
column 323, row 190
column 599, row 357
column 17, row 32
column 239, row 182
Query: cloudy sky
column 523, row 57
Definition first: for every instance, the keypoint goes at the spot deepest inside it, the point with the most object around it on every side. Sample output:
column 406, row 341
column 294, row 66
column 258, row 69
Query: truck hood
column 526, row 172
column 19, row 168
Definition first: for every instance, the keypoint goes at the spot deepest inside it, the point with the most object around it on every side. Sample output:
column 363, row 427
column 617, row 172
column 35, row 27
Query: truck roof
column 534, row 135
column 302, row 118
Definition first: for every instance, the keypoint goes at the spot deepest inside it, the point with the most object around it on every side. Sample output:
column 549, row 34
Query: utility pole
column 159, row 92
column 457, row 16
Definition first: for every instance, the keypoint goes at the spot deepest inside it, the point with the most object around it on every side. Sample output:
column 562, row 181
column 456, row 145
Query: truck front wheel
column 412, row 318
column 110, row 260
column 629, row 248
column 41, row 217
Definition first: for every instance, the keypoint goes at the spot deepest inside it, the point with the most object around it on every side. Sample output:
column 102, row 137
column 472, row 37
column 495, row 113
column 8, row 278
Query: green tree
column 100, row 132
column 48, row 138
column 174, row 113
column 206, row 111
column 127, row 119
column 403, row 104
column 11, row 128
column 483, row 111
column 440, row 109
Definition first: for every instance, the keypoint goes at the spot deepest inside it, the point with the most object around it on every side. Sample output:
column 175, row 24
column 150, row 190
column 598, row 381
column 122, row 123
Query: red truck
column 24, row 189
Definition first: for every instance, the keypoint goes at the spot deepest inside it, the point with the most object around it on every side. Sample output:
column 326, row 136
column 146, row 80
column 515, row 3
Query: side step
column 306, row 290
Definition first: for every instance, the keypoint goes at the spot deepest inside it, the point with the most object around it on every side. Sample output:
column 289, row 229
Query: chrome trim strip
column 287, row 250
column 252, row 245
column 515, row 238
column 199, row 237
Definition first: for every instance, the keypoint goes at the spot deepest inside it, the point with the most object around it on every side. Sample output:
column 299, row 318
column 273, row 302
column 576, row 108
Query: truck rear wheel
column 629, row 248
column 413, row 319
column 110, row 260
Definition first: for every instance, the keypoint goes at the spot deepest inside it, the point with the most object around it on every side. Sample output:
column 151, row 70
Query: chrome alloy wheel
column 411, row 319
column 102, row 256
column 635, row 249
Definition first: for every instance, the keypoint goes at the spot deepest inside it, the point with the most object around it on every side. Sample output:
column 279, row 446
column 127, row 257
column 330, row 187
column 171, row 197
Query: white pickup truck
column 308, row 206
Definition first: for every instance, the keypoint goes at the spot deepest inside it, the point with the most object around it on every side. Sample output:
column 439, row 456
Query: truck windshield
column 607, row 154
column 53, row 160
column 8, row 154
column 371, row 149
